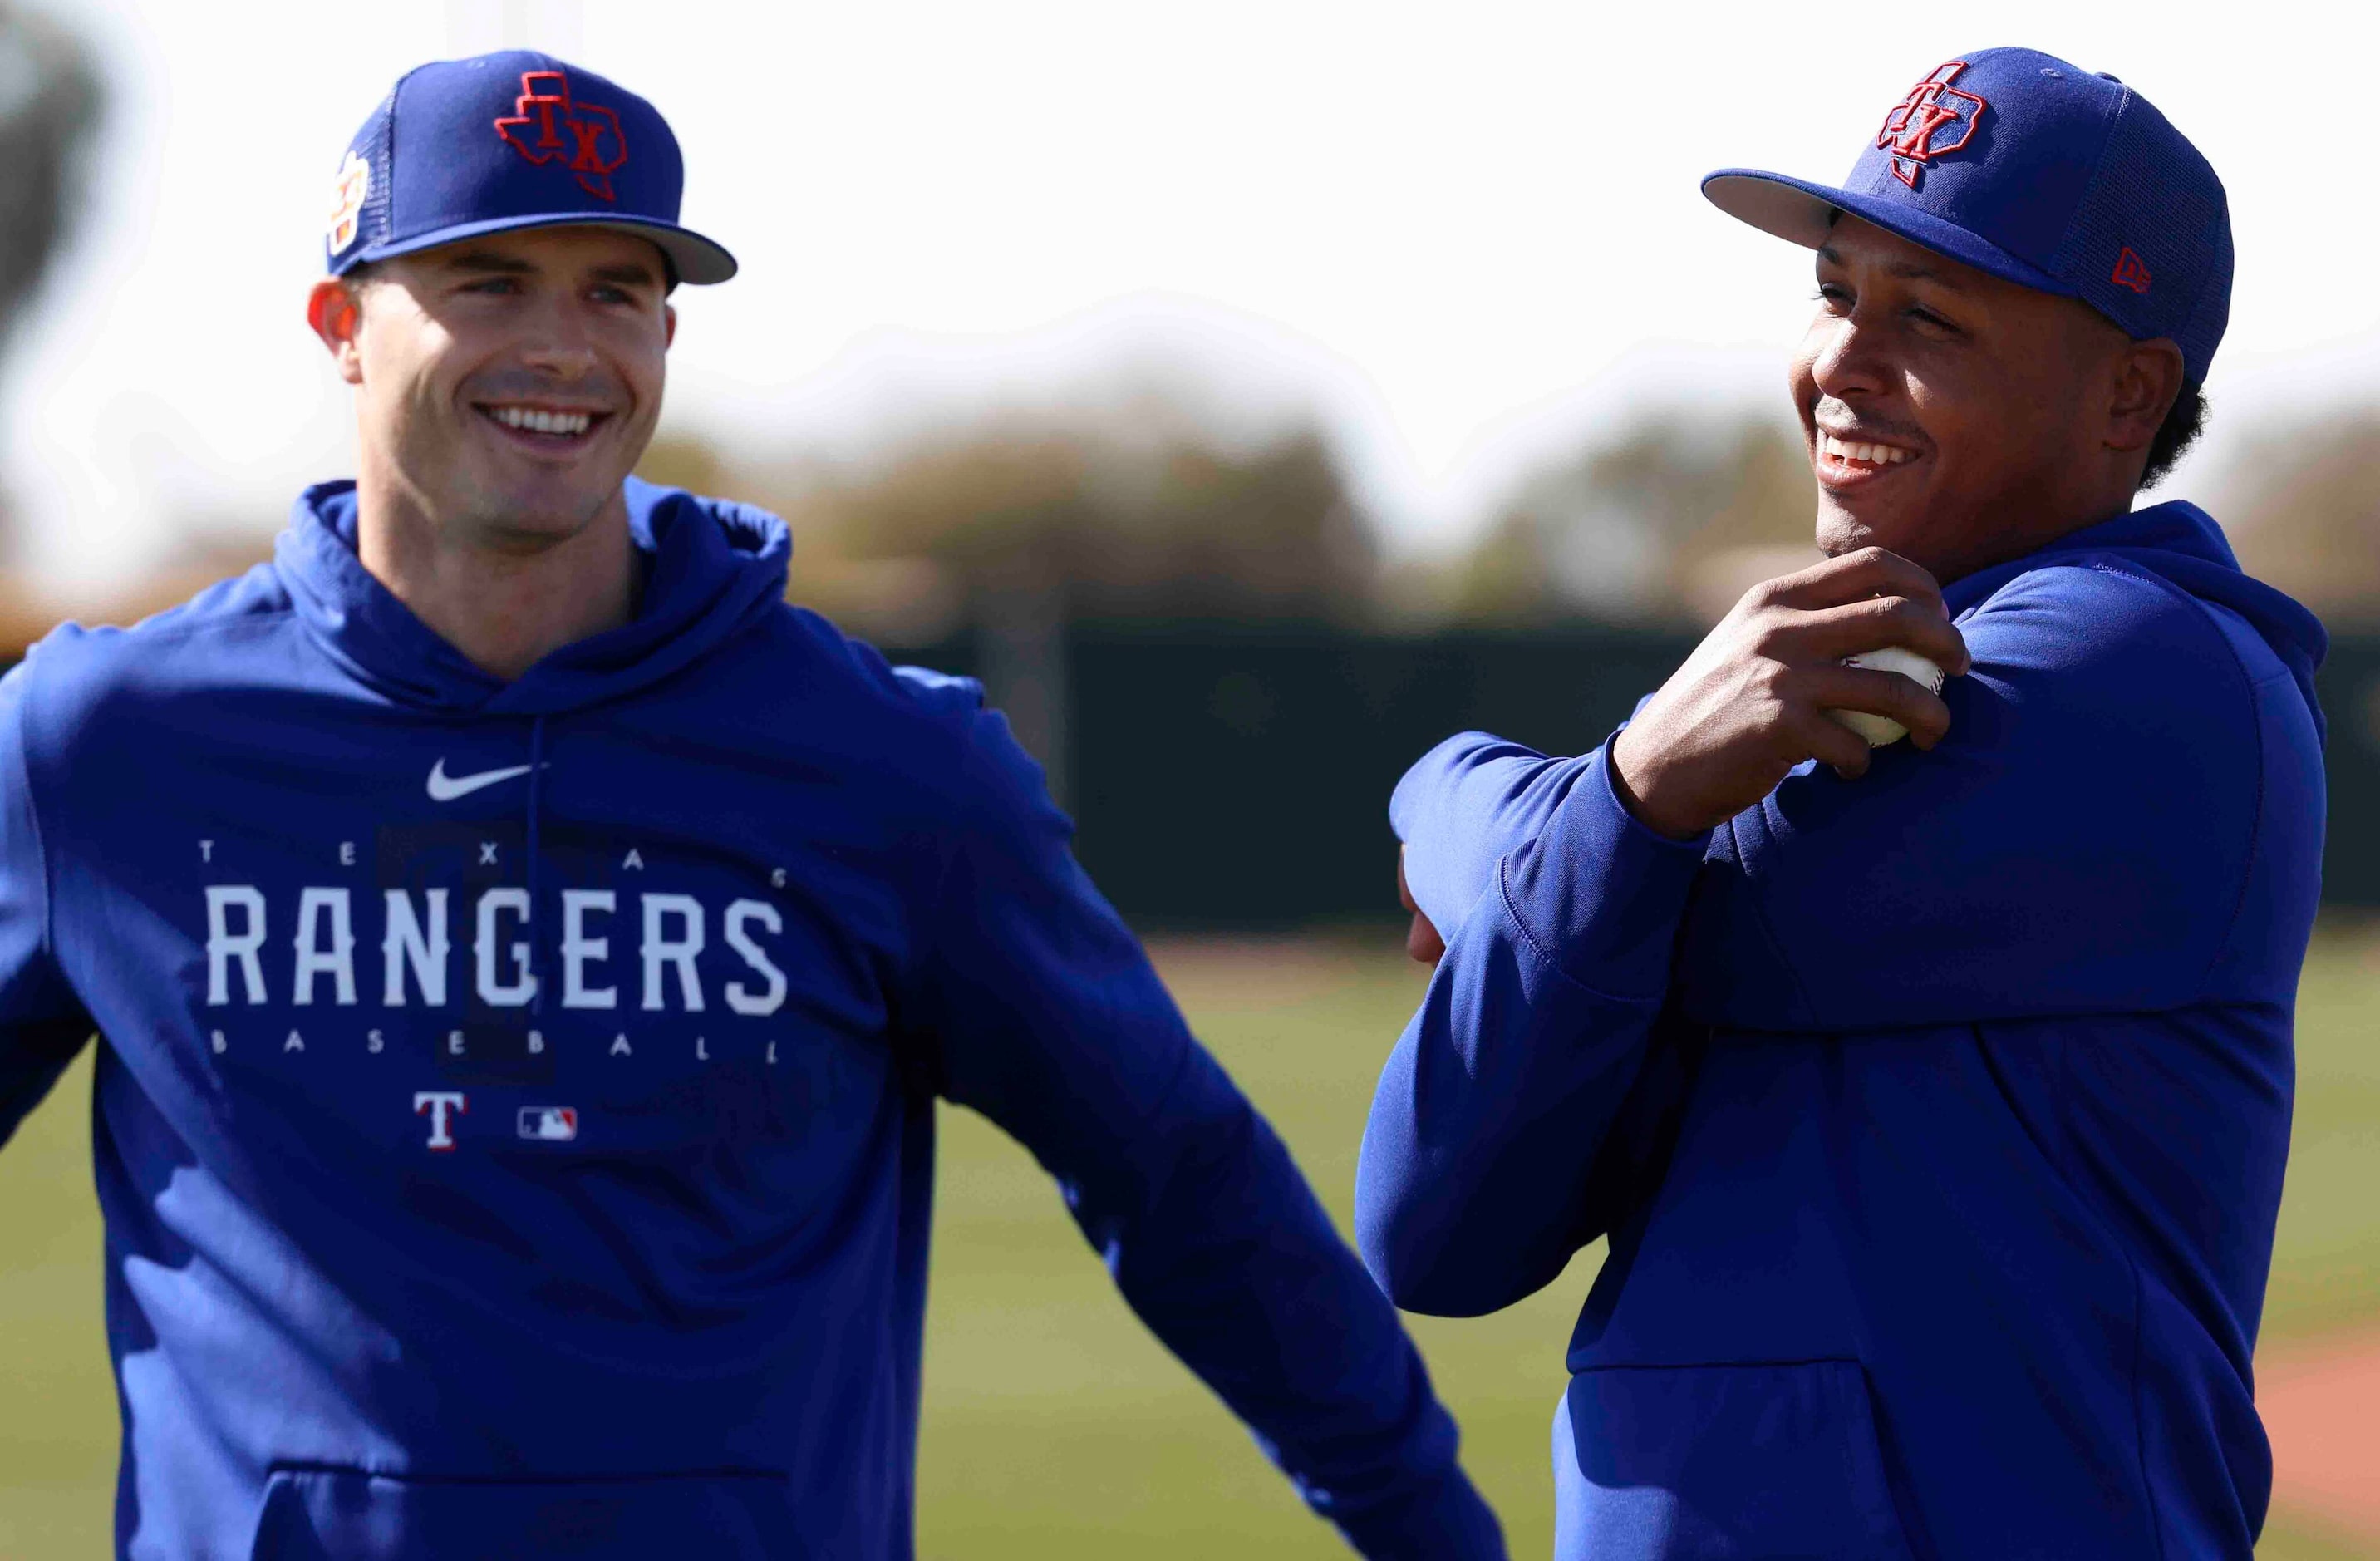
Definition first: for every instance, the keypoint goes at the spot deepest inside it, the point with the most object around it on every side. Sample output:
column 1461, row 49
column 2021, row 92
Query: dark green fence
column 1237, row 775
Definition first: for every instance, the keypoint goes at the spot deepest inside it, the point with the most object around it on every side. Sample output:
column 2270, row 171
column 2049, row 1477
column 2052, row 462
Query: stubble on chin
column 1838, row 532
column 524, row 528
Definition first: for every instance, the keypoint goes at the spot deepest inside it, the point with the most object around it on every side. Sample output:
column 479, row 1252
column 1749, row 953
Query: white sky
column 1462, row 234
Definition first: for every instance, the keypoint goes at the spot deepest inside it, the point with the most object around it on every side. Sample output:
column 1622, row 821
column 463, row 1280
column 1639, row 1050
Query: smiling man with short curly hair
column 1934, row 1097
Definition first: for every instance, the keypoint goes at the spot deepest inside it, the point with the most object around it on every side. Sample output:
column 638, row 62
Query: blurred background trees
column 1152, row 517
column 49, row 106
column 1669, row 521
column 2300, row 500
column 1146, row 516
column 1142, row 513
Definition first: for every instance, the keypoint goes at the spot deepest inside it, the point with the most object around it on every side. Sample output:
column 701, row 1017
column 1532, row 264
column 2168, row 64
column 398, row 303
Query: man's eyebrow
column 489, row 262
column 1917, row 271
column 1906, row 270
column 634, row 273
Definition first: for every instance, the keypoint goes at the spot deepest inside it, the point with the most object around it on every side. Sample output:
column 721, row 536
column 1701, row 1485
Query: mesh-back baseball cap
column 510, row 141
column 2039, row 173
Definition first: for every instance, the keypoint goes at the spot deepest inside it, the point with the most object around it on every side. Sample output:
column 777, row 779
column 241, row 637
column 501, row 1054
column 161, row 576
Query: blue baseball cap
column 511, row 141
column 2039, row 173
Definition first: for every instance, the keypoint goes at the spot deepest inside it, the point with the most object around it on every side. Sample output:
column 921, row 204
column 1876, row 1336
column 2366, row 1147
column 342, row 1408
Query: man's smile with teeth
column 1866, row 453
column 538, row 420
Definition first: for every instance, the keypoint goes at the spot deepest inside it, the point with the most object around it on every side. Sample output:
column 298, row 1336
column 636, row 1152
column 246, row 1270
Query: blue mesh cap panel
column 2203, row 331
column 2157, row 198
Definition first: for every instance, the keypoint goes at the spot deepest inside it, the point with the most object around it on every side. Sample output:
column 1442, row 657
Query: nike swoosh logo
column 445, row 787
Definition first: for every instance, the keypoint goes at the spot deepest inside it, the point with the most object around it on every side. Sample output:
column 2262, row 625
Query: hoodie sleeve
column 1521, row 1104
column 2087, row 839
column 41, row 1023
column 1042, row 1012
column 2084, row 841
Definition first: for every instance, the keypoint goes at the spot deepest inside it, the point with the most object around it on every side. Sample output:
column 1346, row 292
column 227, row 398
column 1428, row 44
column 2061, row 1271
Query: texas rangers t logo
column 1934, row 120
column 545, row 125
column 441, row 1105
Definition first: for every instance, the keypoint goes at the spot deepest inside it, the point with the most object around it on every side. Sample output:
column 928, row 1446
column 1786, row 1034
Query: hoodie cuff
column 1599, row 894
column 1445, row 1520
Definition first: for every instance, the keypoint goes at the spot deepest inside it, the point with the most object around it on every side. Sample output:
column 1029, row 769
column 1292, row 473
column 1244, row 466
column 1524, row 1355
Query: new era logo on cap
column 2039, row 173
column 510, row 141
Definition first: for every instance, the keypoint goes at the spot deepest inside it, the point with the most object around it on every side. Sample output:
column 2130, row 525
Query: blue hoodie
column 515, row 1119
column 1936, row 1118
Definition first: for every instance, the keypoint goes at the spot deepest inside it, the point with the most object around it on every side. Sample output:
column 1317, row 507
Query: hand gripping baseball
column 1751, row 701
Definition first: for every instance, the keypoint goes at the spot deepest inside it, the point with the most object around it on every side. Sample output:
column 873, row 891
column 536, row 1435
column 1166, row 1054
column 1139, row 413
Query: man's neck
column 505, row 608
column 2028, row 521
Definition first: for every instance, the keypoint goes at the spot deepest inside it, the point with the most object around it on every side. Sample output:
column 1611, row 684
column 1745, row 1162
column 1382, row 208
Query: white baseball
column 1878, row 729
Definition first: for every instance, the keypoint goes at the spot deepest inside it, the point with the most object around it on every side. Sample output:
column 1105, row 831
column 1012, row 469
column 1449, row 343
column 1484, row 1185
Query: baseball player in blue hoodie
column 1934, row 1099
column 527, row 953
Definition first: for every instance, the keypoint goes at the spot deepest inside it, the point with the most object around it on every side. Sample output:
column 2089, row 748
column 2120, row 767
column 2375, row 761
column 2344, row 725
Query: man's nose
column 562, row 358
column 1848, row 361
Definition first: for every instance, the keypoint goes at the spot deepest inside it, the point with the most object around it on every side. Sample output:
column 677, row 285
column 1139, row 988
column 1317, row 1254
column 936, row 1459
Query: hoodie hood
column 712, row 568
column 2180, row 544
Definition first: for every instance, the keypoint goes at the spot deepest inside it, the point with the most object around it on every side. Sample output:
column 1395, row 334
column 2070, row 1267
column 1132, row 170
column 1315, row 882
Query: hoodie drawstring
column 538, row 934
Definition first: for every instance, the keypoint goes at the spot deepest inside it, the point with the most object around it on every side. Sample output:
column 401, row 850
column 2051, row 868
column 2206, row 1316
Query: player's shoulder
column 242, row 604
column 2078, row 587
column 934, row 730
column 2108, row 620
column 842, row 667
column 2168, row 655
column 76, row 667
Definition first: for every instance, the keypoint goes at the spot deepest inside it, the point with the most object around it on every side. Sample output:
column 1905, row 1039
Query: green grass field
column 1054, row 1427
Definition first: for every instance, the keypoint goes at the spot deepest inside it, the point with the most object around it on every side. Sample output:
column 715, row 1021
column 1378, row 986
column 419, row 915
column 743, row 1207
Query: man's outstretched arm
column 41, row 1023
column 1501, row 1139
column 1042, row 1011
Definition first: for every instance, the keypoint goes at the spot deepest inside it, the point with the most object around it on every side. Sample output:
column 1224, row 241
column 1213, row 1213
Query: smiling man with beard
column 529, row 954
column 1934, row 1099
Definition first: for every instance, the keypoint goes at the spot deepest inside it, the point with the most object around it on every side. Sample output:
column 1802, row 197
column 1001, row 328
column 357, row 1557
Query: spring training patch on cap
column 347, row 201
column 595, row 148
column 1932, row 109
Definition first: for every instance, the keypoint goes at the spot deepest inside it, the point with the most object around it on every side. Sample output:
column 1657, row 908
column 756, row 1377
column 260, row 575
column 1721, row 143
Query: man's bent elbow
column 1414, row 1256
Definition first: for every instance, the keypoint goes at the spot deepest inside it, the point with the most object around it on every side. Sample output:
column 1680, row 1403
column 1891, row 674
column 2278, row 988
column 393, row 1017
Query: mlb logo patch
column 549, row 1124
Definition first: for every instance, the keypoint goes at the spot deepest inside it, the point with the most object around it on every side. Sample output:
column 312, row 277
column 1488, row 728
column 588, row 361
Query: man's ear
column 336, row 311
column 669, row 325
column 2147, row 382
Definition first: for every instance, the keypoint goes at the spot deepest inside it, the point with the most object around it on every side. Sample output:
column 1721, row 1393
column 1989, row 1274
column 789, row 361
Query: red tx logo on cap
column 543, row 110
column 1932, row 107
